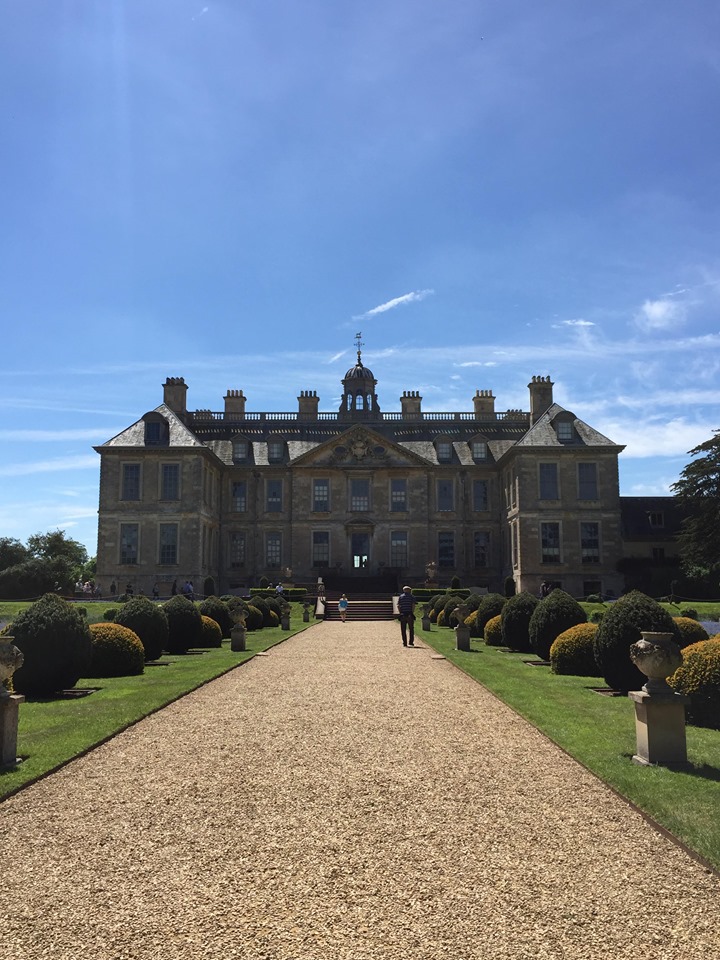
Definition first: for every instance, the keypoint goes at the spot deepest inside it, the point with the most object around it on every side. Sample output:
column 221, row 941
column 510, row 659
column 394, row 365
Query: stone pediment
column 359, row 447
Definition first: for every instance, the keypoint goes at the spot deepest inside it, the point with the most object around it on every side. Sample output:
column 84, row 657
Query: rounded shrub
column 493, row 632
column 553, row 615
column 515, row 620
column 116, row 651
column 450, row 603
column 441, row 618
column 220, row 612
column 110, row 614
column 184, row 625
column 699, row 679
column 596, row 616
column 260, row 603
column 55, row 641
column 689, row 612
column 622, row 626
column 253, row 618
column 149, row 621
column 690, row 631
column 491, row 605
column 211, row 632
column 572, row 652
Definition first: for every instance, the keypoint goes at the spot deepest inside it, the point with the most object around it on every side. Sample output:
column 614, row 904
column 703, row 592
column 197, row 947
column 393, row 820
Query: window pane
column 590, row 542
column 548, row 476
column 276, row 449
column 274, row 496
column 130, row 481
column 240, row 449
column 445, row 498
column 480, row 494
column 153, row 432
column 550, row 539
column 273, row 550
column 565, row 431
column 587, row 481
column 239, row 496
column 237, row 550
column 168, row 543
column 321, row 548
column 481, row 548
column 170, row 489
column 129, row 533
column 444, row 450
column 359, row 494
column 321, row 496
column 479, row 450
column 446, row 549
column 398, row 495
column 398, row 548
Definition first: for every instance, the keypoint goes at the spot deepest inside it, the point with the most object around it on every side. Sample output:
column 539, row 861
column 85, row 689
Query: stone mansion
column 363, row 499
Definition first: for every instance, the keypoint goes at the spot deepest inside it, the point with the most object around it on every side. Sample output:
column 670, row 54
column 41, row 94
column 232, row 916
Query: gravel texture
column 343, row 797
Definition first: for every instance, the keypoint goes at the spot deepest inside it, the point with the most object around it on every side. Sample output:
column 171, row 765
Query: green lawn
column 52, row 732
column 599, row 731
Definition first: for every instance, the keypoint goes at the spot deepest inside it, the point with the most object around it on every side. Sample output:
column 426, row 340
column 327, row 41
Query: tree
column 698, row 492
column 11, row 552
column 55, row 545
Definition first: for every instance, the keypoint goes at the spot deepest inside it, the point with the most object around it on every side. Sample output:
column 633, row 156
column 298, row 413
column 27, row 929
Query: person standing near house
column 343, row 607
column 406, row 609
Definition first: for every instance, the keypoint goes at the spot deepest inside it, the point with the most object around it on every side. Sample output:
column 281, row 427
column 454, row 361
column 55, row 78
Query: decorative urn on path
column 659, row 711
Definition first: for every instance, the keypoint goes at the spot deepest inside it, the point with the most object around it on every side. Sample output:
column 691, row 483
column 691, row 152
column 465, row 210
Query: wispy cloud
column 574, row 323
column 406, row 298
column 99, row 434
column 336, row 356
column 662, row 314
column 79, row 462
column 671, row 438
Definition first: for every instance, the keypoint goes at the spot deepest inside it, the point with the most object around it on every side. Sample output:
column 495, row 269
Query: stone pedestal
column 285, row 621
column 237, row 638
column 9, row 711
column 660, row 727
column 426, row 625
column 462, row 637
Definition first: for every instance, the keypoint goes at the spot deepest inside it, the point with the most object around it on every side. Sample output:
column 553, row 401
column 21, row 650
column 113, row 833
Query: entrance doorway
column 360, row 551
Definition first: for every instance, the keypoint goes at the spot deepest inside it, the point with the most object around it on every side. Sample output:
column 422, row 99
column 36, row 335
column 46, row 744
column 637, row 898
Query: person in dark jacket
column 406, row 609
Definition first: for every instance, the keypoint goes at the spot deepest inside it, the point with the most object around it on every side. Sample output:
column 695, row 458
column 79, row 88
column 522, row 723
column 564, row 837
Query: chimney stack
column 541, row 397
column 410, row 404
column 308, row 405
column 484, row 403
column 235, row 405
column 175, row 395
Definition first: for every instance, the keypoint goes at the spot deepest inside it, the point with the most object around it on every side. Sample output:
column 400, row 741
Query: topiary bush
column 596, row 616
column 450, row 603
column 553, row 615
column 689, row 612
column 55, row 641
column 509, row 587
column 211, row 632
column 116, row 651
column 441, row 618
column 620, row 628
column 493, row 632
column 184, row 625
column 218, row 611
column 572, row 652
column 515, row 620
column 699, row 679
column 690, row 631
column 110, row 614
column 491, row 605
column 253, row 618
column 149, row 621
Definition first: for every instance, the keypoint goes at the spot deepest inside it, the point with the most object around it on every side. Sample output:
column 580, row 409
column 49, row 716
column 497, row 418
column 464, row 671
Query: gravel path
column 342, row 797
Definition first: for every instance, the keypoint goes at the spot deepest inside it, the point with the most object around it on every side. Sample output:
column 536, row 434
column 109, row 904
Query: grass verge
column 599, row 732
column 52, row 732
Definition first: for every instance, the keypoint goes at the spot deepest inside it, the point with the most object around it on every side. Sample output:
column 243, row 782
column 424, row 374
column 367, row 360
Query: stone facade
column 359, row 497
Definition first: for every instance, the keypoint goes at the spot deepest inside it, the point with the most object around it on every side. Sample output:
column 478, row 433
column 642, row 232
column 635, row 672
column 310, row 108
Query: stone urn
column 462, row 631
column 657, row 656
column 306, row 611
column 238, row 633
column 426, row 616
column 285, row 609
column 11, row 659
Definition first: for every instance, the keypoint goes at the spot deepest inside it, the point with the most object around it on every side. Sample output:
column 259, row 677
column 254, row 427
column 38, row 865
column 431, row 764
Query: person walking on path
column 406, row 608
column 342, row 607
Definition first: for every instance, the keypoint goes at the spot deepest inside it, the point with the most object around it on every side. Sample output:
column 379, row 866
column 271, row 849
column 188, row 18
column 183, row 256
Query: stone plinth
column 237, row 638
column 9, row 711
column 462, row 637
column 660, row 727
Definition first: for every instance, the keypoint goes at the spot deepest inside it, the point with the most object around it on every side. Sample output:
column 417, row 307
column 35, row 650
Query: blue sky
column 229, row 191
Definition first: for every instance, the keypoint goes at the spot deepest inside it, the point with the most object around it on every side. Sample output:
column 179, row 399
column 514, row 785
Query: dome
column 359, row 372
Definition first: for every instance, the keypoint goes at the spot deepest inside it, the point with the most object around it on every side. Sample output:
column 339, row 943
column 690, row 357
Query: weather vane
column 359, row 343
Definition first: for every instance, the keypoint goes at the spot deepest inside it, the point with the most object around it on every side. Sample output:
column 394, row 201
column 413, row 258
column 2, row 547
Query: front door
column 360, row 550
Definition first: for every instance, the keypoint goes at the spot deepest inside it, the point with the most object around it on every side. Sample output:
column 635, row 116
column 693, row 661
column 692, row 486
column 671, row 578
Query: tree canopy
column 698, row 491
column 50, row 561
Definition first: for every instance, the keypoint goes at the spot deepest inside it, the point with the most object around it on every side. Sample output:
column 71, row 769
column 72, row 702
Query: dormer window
column 443, row 449
column 479, row 450
column 565, row 431
column 240, row 450
column 276, row 451
column 157, row 430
